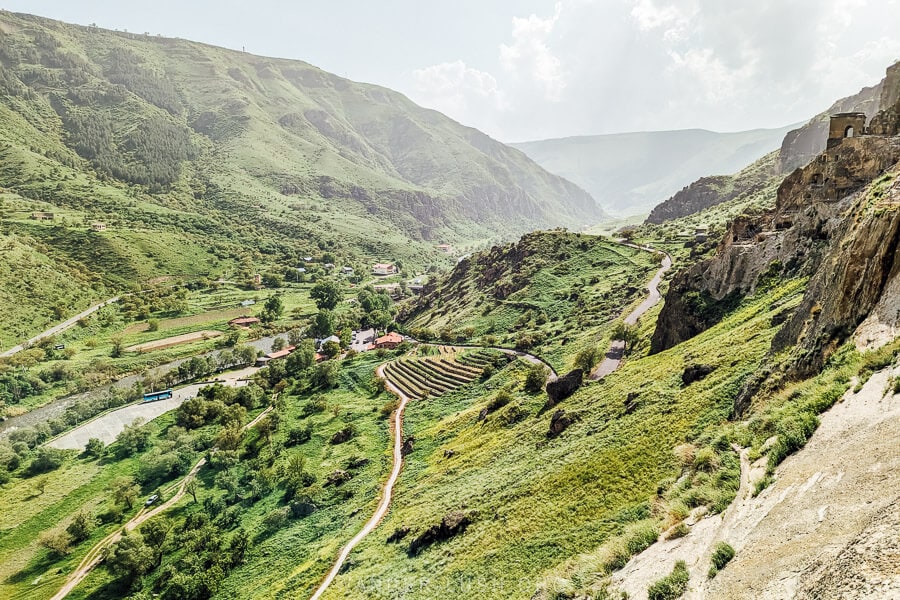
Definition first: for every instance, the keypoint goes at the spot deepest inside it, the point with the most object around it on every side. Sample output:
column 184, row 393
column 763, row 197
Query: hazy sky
column 530, row 69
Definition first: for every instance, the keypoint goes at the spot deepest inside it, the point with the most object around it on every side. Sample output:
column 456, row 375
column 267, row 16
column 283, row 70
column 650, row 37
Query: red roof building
column 389, row 341
column 243, row 321
column 280, row 353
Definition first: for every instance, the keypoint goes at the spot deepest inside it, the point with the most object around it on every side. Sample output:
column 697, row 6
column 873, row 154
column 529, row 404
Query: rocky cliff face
column 711, row 191
column 805, row 143
column 836, row 220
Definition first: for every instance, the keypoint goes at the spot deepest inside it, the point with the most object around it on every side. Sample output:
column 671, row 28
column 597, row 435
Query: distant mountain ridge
column 153, row 112
column 799, row 146
column 630, row 173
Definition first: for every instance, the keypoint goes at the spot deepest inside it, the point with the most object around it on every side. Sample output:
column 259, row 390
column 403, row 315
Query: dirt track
column 94, row 556
column 386, row 496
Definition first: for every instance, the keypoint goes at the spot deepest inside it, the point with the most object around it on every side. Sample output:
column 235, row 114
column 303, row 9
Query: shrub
column 640, row 536
column 722, row 554
column 672, row 586
column 793, row 432
column 389, row 407
column 706, row 460
column 536, row 378
column 46, row 459
column 678, row 531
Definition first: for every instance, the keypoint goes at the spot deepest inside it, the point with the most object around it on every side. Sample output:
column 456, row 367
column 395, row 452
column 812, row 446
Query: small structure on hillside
column 246, row 303
column 244, row 321
column 445, row 248
column 257, row 279
column 846, row 125
column 43, row 216
column 384, row 269
column 389, row 341
column 98, row 226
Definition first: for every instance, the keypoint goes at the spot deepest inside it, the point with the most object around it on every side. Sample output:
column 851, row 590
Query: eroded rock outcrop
column 836, row 220
column 561, row 388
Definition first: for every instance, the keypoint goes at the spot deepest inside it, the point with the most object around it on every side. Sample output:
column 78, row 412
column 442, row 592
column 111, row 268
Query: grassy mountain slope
column 552, row 293
column 629, row 173
column 258, row 161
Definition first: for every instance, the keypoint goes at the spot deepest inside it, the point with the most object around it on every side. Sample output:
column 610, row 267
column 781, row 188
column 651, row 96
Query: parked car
column 151, row 499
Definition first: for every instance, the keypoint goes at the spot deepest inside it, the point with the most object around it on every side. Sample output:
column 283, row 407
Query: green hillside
column 555, row 294
column 630, row 173
column 257, row 161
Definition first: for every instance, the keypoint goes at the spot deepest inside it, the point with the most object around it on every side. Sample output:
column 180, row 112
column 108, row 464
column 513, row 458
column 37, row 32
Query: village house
column 264, row 360
column 97, row 226
column 389, row 341
column 43, row 216
column 384, row 269
column 445, row 248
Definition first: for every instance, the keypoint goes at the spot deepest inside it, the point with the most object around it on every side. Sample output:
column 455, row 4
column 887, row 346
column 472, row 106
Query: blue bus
column 160, row 395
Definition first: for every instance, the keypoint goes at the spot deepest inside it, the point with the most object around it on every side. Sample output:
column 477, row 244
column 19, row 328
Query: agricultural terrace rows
column 432, row 376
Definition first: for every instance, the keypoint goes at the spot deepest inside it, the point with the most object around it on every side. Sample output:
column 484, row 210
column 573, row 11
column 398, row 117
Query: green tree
column 272, row 309
column 81, row 527
column 331, row 349
column 156, row 537
column 327, row 294
column 124, row 490
column 57, row 542
column 626, row 333
column 118, row 346
column 587, row 358
column 129, row 558
column 326, row 375
column 323, row 326
column 94, row 448
column 278, row 344
column 133, row 439
column 238, row 547
column 302, row 358
column 535, row 378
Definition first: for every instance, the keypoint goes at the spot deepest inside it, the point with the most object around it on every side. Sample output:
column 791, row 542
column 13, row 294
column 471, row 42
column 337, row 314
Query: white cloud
column 673, row 19
column 529, row 56
column 596, row 66
column 460, row 91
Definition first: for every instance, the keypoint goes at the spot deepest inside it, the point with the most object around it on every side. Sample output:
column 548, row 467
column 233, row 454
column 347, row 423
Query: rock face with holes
column 836, row 221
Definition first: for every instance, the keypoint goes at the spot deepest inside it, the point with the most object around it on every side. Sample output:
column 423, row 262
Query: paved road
column 67, row 324
column 107, row 427
column 386, row 496
column 617, row 348
column 57, row 408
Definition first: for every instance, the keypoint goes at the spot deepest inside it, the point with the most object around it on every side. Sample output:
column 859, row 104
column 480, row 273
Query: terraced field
column 421, row 377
